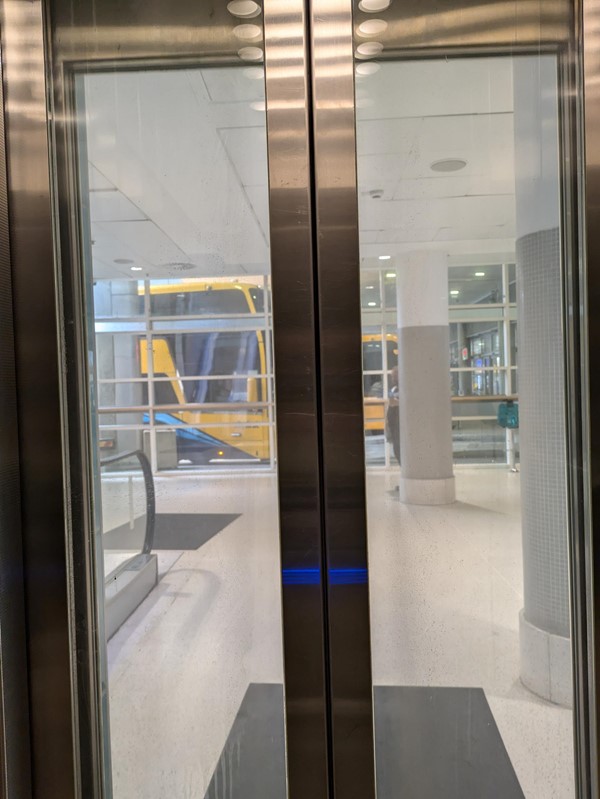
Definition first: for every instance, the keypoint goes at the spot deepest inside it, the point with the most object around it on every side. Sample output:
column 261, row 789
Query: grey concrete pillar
column 544, row 620
column 424, row 381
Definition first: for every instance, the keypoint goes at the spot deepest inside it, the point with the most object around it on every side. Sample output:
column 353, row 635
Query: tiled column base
column 427, row 492
column 545, row 663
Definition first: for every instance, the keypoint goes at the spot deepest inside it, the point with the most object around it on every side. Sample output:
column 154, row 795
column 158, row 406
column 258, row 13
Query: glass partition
column 174, row 216
column 461, row 270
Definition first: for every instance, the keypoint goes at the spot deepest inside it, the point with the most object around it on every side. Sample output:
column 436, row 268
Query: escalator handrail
column 150, row 492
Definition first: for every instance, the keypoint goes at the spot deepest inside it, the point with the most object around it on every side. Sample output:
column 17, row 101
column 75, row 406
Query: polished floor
column 446, row 590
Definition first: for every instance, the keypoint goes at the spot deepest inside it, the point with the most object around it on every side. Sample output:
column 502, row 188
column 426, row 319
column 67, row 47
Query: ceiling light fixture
column 370, row 6
column 448, row 165
column 243, row 8
column 454, row 292
column 479, row 274
column 369, row 49
column 372, row 304
column 247, row 31
column 390, row 274
column 250, row 54
column 368, row 68
column 384, row 257
column 136, row 268
column 372, row 27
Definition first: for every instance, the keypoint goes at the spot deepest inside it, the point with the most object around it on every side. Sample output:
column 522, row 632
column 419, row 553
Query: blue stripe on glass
column 308, row 576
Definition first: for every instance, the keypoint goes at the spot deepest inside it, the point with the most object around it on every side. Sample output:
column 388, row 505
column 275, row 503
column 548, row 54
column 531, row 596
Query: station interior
column 465, row 454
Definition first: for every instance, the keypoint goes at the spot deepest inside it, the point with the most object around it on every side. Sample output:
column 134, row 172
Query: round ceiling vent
column 448, row 165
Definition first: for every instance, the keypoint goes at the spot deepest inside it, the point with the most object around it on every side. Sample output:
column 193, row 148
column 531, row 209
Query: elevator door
column 447, row 255
column 316, row 272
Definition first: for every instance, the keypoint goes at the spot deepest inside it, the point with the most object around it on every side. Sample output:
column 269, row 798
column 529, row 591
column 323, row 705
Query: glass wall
column 175, row 230
column 482, row 358
column 467, row 529
column 186, row 370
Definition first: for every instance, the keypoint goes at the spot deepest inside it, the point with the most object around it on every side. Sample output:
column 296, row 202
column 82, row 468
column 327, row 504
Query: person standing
column 392, row 419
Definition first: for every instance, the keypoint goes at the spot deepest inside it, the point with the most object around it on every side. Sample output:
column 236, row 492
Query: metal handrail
column 150, row 492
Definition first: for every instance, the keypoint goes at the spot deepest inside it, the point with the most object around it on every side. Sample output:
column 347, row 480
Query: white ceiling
column 178, row 168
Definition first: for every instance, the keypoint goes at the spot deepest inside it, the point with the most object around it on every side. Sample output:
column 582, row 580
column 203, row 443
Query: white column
column 544, row 620
column 424, row 380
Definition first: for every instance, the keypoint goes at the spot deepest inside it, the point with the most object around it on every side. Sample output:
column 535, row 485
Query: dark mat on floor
column 440, row 743
column 252, row 765
column 171, row 531
column 431, row 743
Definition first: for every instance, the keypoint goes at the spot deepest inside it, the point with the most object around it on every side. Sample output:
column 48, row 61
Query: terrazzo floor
column 446, row 590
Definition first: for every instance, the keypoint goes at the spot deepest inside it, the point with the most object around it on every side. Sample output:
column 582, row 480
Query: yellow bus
column 206, row 380
column 375, row 404
column 216, row 371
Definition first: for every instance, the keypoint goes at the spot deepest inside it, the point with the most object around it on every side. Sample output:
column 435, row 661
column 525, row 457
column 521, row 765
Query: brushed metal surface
column 15, row 767
column 468, row 25
column 296, row 377
column 341, row 405
column 40, row 410
column 587, row 558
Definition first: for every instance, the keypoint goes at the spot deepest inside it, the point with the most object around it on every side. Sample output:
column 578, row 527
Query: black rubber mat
column 431, row 743
column 440, row 743
column 252, row 765
column 171, row 531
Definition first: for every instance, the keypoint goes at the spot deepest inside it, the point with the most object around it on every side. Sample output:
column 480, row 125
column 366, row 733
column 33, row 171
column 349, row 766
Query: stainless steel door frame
column 43, row 491
column 341, row 400
column 65, row 689
column 15, row 776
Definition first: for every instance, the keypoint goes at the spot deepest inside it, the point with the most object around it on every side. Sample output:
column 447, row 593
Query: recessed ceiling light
column 372, row 27
column 448, row 165
column 390, row 274
column 384, row 257
column 136, row 268
column 243, row 8
column 369, row 6
column 454, row 292
column 479, row 274
column 123, row 261
column 369, row 49
column 255, row 73
column 250, row 53
column 247, row 31
column 259, row 105
column 369, row 68
column 372, row 304
column 369, row 287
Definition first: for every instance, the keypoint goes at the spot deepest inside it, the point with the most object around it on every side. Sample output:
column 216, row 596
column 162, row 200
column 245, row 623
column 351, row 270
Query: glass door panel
column 174, row 227
column 459, row 191
column 174, row 213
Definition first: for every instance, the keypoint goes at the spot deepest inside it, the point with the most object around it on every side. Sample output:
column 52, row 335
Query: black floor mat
column 431, row 743
column 171, row 531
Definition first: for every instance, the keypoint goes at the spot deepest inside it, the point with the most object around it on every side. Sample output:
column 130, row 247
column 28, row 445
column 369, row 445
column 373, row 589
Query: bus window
column 197, row 303
column 213, row 354
column 258, row 298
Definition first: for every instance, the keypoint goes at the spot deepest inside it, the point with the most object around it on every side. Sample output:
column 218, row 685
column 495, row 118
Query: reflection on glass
column 174, row 213
column 459, row 223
